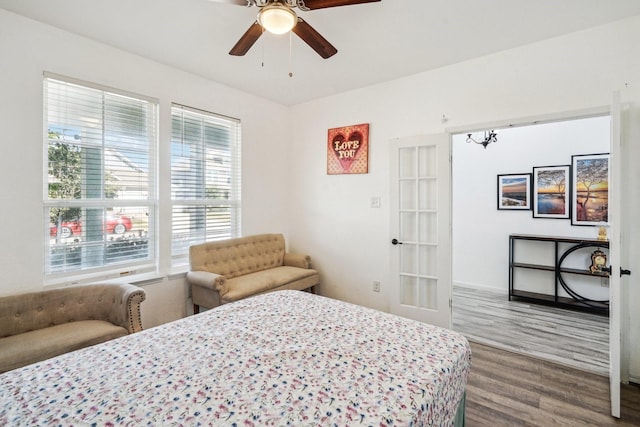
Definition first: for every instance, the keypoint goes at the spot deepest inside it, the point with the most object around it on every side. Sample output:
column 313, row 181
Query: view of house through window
column 205, row 179
column 100, row 201
column 99, row 204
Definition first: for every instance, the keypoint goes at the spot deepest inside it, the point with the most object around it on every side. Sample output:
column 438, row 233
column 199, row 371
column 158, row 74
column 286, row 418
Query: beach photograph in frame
column 590, row 189
column 514, row 191
column 551, row 191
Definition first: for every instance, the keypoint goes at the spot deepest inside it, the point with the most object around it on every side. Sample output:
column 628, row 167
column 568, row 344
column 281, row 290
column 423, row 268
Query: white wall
column 28, row 48
column 481, row 231
column 349, row 241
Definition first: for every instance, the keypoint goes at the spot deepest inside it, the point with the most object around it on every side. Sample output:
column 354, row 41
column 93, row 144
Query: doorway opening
column 482, row 222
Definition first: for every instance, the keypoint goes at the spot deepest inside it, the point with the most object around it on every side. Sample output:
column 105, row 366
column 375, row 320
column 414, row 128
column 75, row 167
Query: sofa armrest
column 297, row 260
column 207, row 280
column 130, row 298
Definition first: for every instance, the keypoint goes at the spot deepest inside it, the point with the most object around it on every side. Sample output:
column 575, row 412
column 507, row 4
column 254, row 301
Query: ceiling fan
column 278, row 17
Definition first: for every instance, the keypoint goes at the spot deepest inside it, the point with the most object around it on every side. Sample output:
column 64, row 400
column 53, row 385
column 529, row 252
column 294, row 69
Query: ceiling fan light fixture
column 277, row 18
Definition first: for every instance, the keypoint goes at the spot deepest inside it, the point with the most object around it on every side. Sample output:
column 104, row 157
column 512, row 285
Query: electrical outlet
column 376, row 286
column 375, row 202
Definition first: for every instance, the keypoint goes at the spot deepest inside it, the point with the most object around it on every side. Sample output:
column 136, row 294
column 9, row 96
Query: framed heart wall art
column 348, row 150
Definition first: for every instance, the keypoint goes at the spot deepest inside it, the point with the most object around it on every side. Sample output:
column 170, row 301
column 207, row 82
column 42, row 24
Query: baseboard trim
column 481, row 287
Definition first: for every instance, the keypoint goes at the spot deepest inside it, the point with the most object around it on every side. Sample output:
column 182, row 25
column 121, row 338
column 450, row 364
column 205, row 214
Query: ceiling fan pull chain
column 290, row 54
column 262, row 50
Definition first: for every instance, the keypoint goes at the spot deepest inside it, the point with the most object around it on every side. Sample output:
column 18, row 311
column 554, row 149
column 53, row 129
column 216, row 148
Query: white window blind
column 99, row 202
column 205, row 179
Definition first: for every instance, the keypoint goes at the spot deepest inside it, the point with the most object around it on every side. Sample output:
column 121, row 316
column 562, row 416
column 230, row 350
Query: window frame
column 104, row 269
column 180, row 259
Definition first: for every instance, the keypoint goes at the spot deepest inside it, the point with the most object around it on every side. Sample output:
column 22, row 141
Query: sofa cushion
column 264, row 281
column 34, row 346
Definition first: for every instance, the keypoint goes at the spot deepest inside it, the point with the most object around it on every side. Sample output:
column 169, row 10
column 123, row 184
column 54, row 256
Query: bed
column 282, row 358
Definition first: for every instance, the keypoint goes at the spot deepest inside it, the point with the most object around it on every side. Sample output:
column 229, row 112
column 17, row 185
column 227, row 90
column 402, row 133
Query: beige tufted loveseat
column 229, row 270
column 39, row 325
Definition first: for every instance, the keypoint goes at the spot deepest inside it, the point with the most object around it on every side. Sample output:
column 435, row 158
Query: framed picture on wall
column 551, row 190
column 590, row 189
column 514, row 191
column 348, row 150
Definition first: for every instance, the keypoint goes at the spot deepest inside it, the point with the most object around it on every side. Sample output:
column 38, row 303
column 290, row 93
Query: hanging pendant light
column 489, row 137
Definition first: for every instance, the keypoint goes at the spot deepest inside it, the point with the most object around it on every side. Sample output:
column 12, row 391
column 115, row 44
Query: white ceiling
column 376, row 42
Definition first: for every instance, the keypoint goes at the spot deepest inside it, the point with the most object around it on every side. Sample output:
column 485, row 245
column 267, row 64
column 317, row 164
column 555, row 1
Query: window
column 205, row 179
column 99, row 201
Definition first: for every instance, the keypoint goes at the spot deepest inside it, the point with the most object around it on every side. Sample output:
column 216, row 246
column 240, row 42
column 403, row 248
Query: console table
column 562, row 247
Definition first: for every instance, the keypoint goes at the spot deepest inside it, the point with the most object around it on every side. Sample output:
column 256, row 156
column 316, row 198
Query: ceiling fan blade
column 314, row 39
column 238, row 2
column 247, row 40
column 321, row 4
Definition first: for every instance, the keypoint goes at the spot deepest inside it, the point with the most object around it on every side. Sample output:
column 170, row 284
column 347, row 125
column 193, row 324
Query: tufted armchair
column 229, row 270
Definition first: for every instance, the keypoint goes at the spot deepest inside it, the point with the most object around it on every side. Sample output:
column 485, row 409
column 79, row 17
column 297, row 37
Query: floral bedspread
column 283, row 358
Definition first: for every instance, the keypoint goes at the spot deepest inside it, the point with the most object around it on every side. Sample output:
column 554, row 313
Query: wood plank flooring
column 510, row 389
column 572, row 338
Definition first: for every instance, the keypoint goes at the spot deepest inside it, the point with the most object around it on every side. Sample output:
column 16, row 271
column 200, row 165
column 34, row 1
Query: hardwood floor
column 510, row 389
column 572, row 338
column 535, row 365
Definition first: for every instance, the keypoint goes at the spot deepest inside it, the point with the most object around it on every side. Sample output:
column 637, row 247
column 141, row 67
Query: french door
column 615, row 252
column 421, row 232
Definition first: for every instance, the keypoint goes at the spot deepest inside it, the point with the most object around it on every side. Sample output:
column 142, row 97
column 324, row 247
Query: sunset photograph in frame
column 590, row 189
column 551, row 190
column 514, row 191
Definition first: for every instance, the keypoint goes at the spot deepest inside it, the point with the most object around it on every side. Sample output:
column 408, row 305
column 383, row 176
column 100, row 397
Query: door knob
column 396, row 242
